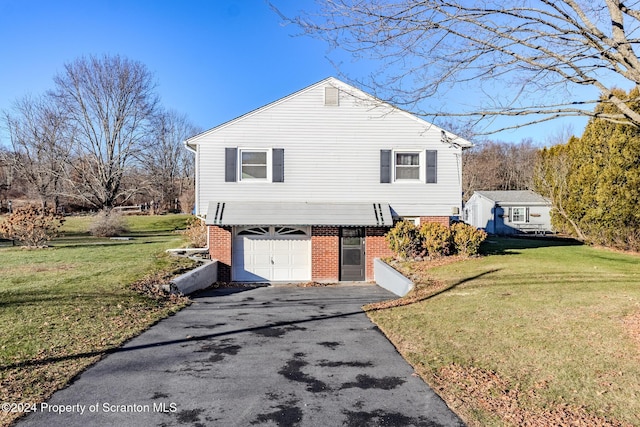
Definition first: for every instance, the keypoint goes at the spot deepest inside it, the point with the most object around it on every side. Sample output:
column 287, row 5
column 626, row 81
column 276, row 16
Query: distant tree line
column 497, row 165
column 594, row 181
column 98, row 139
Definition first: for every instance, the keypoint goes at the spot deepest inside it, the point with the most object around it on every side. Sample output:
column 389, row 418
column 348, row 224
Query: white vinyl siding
column 332, row 154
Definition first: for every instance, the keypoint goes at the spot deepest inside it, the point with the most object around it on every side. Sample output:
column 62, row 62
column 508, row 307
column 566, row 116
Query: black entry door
column 352, row 259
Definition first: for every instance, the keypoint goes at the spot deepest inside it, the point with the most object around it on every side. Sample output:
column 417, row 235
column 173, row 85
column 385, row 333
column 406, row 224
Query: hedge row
column 433, row 240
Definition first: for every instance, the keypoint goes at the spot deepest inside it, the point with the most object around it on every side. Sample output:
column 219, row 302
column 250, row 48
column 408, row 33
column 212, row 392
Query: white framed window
column 407, row 166
column 518, row 215
column 412, row 219
column 254, row 165
column 254, row 231
column 273, row 231
column 290, row 231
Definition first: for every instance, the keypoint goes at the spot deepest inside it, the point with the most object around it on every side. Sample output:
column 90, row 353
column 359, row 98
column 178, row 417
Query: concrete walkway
column 278, row 356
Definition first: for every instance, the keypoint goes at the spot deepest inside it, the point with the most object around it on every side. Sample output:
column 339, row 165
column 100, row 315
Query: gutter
column 188, row 147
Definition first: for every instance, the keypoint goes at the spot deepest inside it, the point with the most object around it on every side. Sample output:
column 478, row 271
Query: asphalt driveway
column 279, row 356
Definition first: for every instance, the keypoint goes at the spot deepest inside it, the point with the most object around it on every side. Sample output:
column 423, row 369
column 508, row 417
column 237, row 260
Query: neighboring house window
column 253, row 165
column 519, row 215
column 407, row 166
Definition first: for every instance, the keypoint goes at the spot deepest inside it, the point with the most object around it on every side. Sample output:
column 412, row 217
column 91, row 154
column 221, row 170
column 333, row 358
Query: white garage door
column 271, row 254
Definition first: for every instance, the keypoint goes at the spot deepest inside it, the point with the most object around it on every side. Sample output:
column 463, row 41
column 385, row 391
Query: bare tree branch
column 532, row 56
column 165, row 159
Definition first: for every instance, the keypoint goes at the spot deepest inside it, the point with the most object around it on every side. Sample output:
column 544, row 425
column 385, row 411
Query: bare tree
column 6, row 172
column 165, row 158
column 528, row 57
column 110, row 102
column 37, row 131
column 495, row 165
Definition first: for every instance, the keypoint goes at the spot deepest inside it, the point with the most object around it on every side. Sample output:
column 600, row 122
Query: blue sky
column 213, row 60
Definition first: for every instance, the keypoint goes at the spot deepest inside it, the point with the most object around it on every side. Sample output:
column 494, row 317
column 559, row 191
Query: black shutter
column 278, row 165
column 432, row 166
column 385, row 166
column 230, row 164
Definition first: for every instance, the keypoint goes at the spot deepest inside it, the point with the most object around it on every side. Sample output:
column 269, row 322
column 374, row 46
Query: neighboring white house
column 306, row 187
column 508, row 212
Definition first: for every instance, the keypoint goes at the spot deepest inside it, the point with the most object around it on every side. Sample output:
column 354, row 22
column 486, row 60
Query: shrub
column 467, row 239
column 404, row 240
column 435, row 239
column 108, row 223
column 196, row 233
column 32, row 226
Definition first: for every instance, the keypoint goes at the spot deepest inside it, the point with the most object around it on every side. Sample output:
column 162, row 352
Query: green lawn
column 62, row 307
column 537, row 332
column 547, row 333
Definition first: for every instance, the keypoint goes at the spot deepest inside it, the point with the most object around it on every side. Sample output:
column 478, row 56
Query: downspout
column 196, row 186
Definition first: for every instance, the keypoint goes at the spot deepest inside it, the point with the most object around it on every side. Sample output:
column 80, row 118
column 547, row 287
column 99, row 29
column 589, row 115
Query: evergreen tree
column 602, row 181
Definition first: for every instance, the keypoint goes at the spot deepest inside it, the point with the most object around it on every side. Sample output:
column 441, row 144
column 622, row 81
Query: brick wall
column 376, row 247
column 220, row 249
column 325, row 254
column 325, row 250
column 444, row 220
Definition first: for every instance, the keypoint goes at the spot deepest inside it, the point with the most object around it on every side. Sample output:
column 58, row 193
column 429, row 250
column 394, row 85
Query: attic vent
column 331, row 96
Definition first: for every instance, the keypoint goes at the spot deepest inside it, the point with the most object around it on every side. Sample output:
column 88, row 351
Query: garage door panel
column 248, row 276
column 261, row 259
column 302, row 273
column 259, row 245
column 281, row 274
column 281, row 259
column 271, row 258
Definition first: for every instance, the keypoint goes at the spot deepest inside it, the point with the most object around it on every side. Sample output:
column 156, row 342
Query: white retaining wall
column 199, row 278
column 390, row 279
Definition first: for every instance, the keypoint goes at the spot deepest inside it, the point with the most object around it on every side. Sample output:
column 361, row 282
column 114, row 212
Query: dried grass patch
column 420, row 293
column 425, row 287
column 468, row 387
column 315, row 285
column 632, row 326
column 41, row 268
